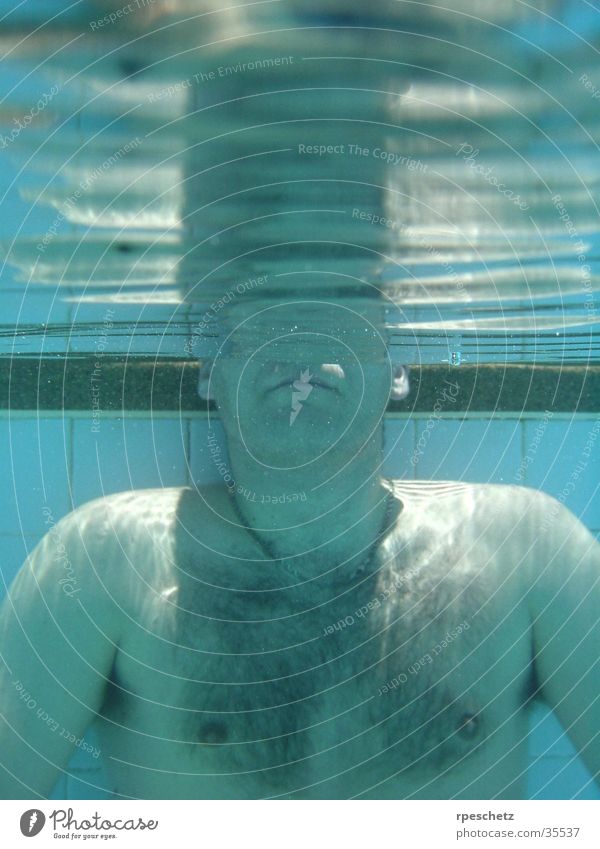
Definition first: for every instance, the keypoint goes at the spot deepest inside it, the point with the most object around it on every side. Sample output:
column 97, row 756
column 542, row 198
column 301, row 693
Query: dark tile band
column 146, row 383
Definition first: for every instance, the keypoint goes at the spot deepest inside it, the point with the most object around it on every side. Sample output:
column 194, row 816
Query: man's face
column 302, row 382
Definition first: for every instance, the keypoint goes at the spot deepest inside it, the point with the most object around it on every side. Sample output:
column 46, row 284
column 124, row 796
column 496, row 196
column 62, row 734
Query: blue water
column 146, row 185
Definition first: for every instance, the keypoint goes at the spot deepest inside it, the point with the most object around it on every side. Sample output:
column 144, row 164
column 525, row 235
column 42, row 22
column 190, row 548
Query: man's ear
column 400, row 383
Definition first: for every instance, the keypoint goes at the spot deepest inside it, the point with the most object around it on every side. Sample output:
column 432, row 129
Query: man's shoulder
column 505, row 499
column 520, row 515
column 135, row 519
column 107, row 531
column 125, row 510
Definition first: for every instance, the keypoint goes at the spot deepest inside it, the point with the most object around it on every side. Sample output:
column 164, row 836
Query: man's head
column 302, row 383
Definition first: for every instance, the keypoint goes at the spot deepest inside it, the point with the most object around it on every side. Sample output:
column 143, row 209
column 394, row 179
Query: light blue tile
column 20, row 217
column 398, row 451
column 478, row 451
column 31, row 305
column 87, row 777
column 96, row 313
column 129, row 344
column 34, row 456
column 560, row 778
column 15, row 550
column 127, row 454
column 562, row 448
column 547, row 737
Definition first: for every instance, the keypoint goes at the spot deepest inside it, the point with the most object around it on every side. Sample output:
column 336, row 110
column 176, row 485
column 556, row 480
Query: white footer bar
column 302, row 824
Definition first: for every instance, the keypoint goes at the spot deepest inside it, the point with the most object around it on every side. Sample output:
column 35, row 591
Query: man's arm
column 565, row 607
column 59, row 630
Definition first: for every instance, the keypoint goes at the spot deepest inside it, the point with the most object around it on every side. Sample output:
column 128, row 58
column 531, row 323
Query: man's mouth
column 303, row 379
column 289, row 383
column 356, row 18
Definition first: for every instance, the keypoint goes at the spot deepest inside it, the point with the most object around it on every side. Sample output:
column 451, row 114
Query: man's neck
column 310, row 523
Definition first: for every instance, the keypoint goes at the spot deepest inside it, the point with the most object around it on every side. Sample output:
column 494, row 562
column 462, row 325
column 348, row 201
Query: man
column 308, row 629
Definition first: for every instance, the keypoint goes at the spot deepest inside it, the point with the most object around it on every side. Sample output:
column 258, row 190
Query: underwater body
column 311, row 260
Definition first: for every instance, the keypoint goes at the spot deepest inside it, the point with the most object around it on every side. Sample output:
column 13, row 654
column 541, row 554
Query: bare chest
column 410, row 675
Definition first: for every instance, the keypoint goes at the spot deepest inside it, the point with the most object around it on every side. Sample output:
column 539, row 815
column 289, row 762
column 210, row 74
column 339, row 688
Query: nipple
column 468, row 726
column 213, row 732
